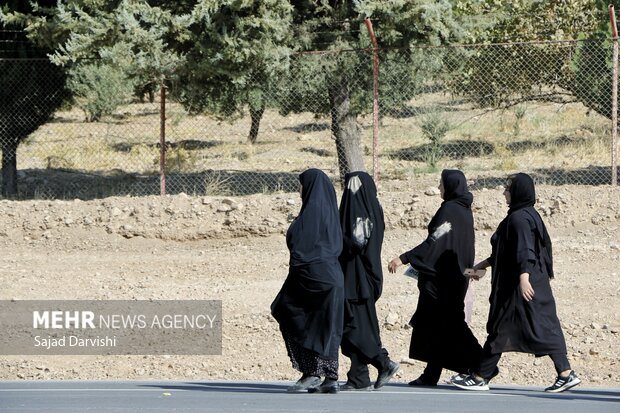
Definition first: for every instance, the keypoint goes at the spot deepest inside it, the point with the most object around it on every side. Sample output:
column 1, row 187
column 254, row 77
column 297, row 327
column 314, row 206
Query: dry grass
column 536, row 136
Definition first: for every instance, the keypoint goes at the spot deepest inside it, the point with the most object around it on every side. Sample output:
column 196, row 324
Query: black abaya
column 309, row 307
column 440, row 335
column 362, row 221
column 521, row 244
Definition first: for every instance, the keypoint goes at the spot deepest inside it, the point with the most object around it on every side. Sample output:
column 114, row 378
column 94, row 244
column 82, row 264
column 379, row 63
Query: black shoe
column 420, row 382
column 470, row 382
column 564, row 383
column 348, row 386
column 458, row 377
column 328, row 386
column 462, row 376
column 304, row 383
column 386, row 375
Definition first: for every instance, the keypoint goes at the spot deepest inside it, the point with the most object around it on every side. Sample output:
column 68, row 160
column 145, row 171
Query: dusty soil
column 233, row 249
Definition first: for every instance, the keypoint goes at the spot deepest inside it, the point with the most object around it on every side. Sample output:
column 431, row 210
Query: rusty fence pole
column 162, row 138
column 375, row 101
column 614, row 99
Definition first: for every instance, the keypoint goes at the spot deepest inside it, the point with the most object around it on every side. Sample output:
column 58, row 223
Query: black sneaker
column 564, row 383
column 470, row 382
column 306, row 382
column 328, row 386
column 463, row 375
column 386, row 375
column 458, row 377
column 352, row 387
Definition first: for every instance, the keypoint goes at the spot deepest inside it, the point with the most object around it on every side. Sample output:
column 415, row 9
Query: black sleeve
column 520, row 230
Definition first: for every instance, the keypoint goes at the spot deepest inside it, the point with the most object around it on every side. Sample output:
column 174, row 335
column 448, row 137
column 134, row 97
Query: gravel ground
column 233, row 249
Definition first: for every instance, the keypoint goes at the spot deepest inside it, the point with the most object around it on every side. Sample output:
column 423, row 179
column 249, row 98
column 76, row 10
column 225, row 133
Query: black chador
column 522, row 314
column 361, row 217
column 440, row 336
column 521, row 244
column 309, row 307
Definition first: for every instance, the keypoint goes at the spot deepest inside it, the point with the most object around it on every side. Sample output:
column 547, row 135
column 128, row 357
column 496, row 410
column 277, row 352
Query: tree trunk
column 346, row 130
column 256, row 115
column 9, row 170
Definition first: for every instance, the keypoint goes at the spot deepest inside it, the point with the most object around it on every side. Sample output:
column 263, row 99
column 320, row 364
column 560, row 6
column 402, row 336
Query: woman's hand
column 394, row 264
column 527, row 292
column 482, row 265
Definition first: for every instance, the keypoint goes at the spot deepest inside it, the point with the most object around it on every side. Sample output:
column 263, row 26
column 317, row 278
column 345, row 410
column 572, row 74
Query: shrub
column 98, row 89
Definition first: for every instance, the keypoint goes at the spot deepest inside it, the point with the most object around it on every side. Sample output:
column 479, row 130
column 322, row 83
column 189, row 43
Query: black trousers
column 358, row 374
column 488, row 365
column 432, row 373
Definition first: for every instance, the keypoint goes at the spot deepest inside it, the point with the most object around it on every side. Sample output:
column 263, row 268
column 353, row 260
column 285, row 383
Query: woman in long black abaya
column 522, row 315
column 361, row 218
column 309, row 307
column 440, row 336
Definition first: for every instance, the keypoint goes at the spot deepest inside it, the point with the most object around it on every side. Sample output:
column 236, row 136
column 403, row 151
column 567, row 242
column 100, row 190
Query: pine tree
column 236, row 54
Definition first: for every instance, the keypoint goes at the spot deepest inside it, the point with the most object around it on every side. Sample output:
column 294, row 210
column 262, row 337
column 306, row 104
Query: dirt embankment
column 232, row 249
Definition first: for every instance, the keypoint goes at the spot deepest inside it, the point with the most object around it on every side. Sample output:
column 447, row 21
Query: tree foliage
column 98, row 89
column 236, row 54
column 338, row 82
column 593, row 88
column 505, row 75
column 30, row 90
column 105, row 40
column 227, row 57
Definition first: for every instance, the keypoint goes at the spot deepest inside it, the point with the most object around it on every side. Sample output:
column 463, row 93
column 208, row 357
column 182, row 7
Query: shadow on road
column 225, row 387
column 402, row 388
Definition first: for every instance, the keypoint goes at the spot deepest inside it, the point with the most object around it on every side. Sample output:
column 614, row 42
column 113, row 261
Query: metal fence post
column 375, row 101
column 162, row 139
column 614, row 99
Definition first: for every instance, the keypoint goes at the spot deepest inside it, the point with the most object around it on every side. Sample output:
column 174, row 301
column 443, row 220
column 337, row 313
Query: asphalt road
column 246, row 396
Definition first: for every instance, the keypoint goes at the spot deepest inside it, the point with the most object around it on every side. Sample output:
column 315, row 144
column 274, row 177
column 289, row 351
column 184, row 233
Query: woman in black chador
column 522, row 315
column 361, row 218
column 310, row 305
column 440, row 336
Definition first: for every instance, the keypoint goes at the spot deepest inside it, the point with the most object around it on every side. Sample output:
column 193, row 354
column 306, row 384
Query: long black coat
column 309, row 307
column 440, row 334
column 522, row 244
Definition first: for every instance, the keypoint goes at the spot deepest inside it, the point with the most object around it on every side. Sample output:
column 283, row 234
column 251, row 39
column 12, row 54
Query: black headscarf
column 523, row 198
column 522, row 192
column 362, row 221
column 315, row 235
column 455, row 187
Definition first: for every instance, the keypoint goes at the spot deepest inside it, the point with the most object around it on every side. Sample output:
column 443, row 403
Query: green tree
column 338, row 83
column 98, row 89
column 224, row 55
column 217, row 56
column 31, row 89
column 108, row 42
column 593, row 65
column 236, row 54
column 505, row 75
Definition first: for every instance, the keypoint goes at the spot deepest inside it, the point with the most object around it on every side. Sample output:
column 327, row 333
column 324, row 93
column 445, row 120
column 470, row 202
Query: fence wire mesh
column 542, row 108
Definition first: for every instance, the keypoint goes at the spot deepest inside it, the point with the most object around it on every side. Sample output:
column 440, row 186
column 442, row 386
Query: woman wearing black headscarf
column 310, row 305
column 440, row 336
column 522, row 315
column 361, row 218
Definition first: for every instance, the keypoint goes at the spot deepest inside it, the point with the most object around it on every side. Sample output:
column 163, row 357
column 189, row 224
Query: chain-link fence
column 542, row 108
